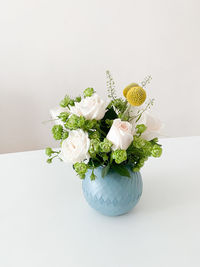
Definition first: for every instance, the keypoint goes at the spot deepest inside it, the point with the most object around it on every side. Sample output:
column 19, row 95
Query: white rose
column 55, row 112
column 153, row 124
column 92, row 107
column 120, row 134
column 75, row 147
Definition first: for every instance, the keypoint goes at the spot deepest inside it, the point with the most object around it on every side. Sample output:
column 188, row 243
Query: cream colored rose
column 92, row 107
column 55, row 112
column 120, row 134
column 153, row 124
column 75, row 147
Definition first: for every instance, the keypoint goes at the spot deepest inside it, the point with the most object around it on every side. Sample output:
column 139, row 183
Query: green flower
column 81, row 169
column 49, row 161
column 94, row 147
column 65, row 135
column 63, row 116
column 71, row 102
column 78, row 99
column 57, row 131
column 91, row 124
column 94, row 135
column 141, row 128
column 75, row 122
column 65, row 102
column 105, row 146
column 119, row 155
column 138, row 142
column 48, row 151
column 156, row 151
column 88, row 92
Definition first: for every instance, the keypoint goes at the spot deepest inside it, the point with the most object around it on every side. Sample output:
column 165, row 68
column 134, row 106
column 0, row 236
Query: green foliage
column 105, row 170
column 122, row 170
column 88, row 92
column 92, row 176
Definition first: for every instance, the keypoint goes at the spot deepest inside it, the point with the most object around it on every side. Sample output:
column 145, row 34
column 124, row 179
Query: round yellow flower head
column 136, row 96
column 125, row 91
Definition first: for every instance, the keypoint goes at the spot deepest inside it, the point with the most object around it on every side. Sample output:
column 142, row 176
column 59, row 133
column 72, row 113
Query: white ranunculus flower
column 153, row 124
column 55, row 112
column 120, row 134
column 75, row 147
column 92, row 107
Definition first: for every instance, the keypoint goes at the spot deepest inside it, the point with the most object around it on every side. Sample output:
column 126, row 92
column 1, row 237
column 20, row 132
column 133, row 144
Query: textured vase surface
column 114, row 194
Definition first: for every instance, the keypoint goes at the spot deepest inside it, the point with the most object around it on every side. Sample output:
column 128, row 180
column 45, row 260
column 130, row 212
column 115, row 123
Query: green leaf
column 110, row 114
column 105, row 170
column 122, row 170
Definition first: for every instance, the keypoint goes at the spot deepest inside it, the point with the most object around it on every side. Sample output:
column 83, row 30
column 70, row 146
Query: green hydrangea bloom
column 65, row 102
column 94, row 135
column 91, row 124
column 48, row 151
column 71, row 102
column 105, row 146
column 88, row 92
column 81, row 169
column 94, row 147
column 156, row 151
column 138, row 142
column 49, row 160
column 141, row 128
column 78, row 99
column 119, row 155
column 57, row 131
column 65, row 135
column 75, row 122
column 64, row 116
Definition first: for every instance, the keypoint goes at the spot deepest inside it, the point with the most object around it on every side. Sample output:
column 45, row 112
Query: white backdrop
column 50, row 48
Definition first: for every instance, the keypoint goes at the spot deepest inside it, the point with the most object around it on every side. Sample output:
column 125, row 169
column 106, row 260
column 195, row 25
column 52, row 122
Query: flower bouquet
column 107, row 142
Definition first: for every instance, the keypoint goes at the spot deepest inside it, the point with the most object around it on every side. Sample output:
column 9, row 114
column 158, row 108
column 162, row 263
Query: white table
column 45, row 221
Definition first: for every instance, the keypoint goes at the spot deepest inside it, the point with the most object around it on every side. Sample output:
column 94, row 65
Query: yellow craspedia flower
column 125, row 91
column 136, row 96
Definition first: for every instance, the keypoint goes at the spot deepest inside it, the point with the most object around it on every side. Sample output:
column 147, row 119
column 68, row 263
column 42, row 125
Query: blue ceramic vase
column 114, row 194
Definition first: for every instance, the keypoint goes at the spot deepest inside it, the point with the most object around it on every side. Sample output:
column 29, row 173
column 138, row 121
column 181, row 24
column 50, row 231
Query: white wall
column 50, row 48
